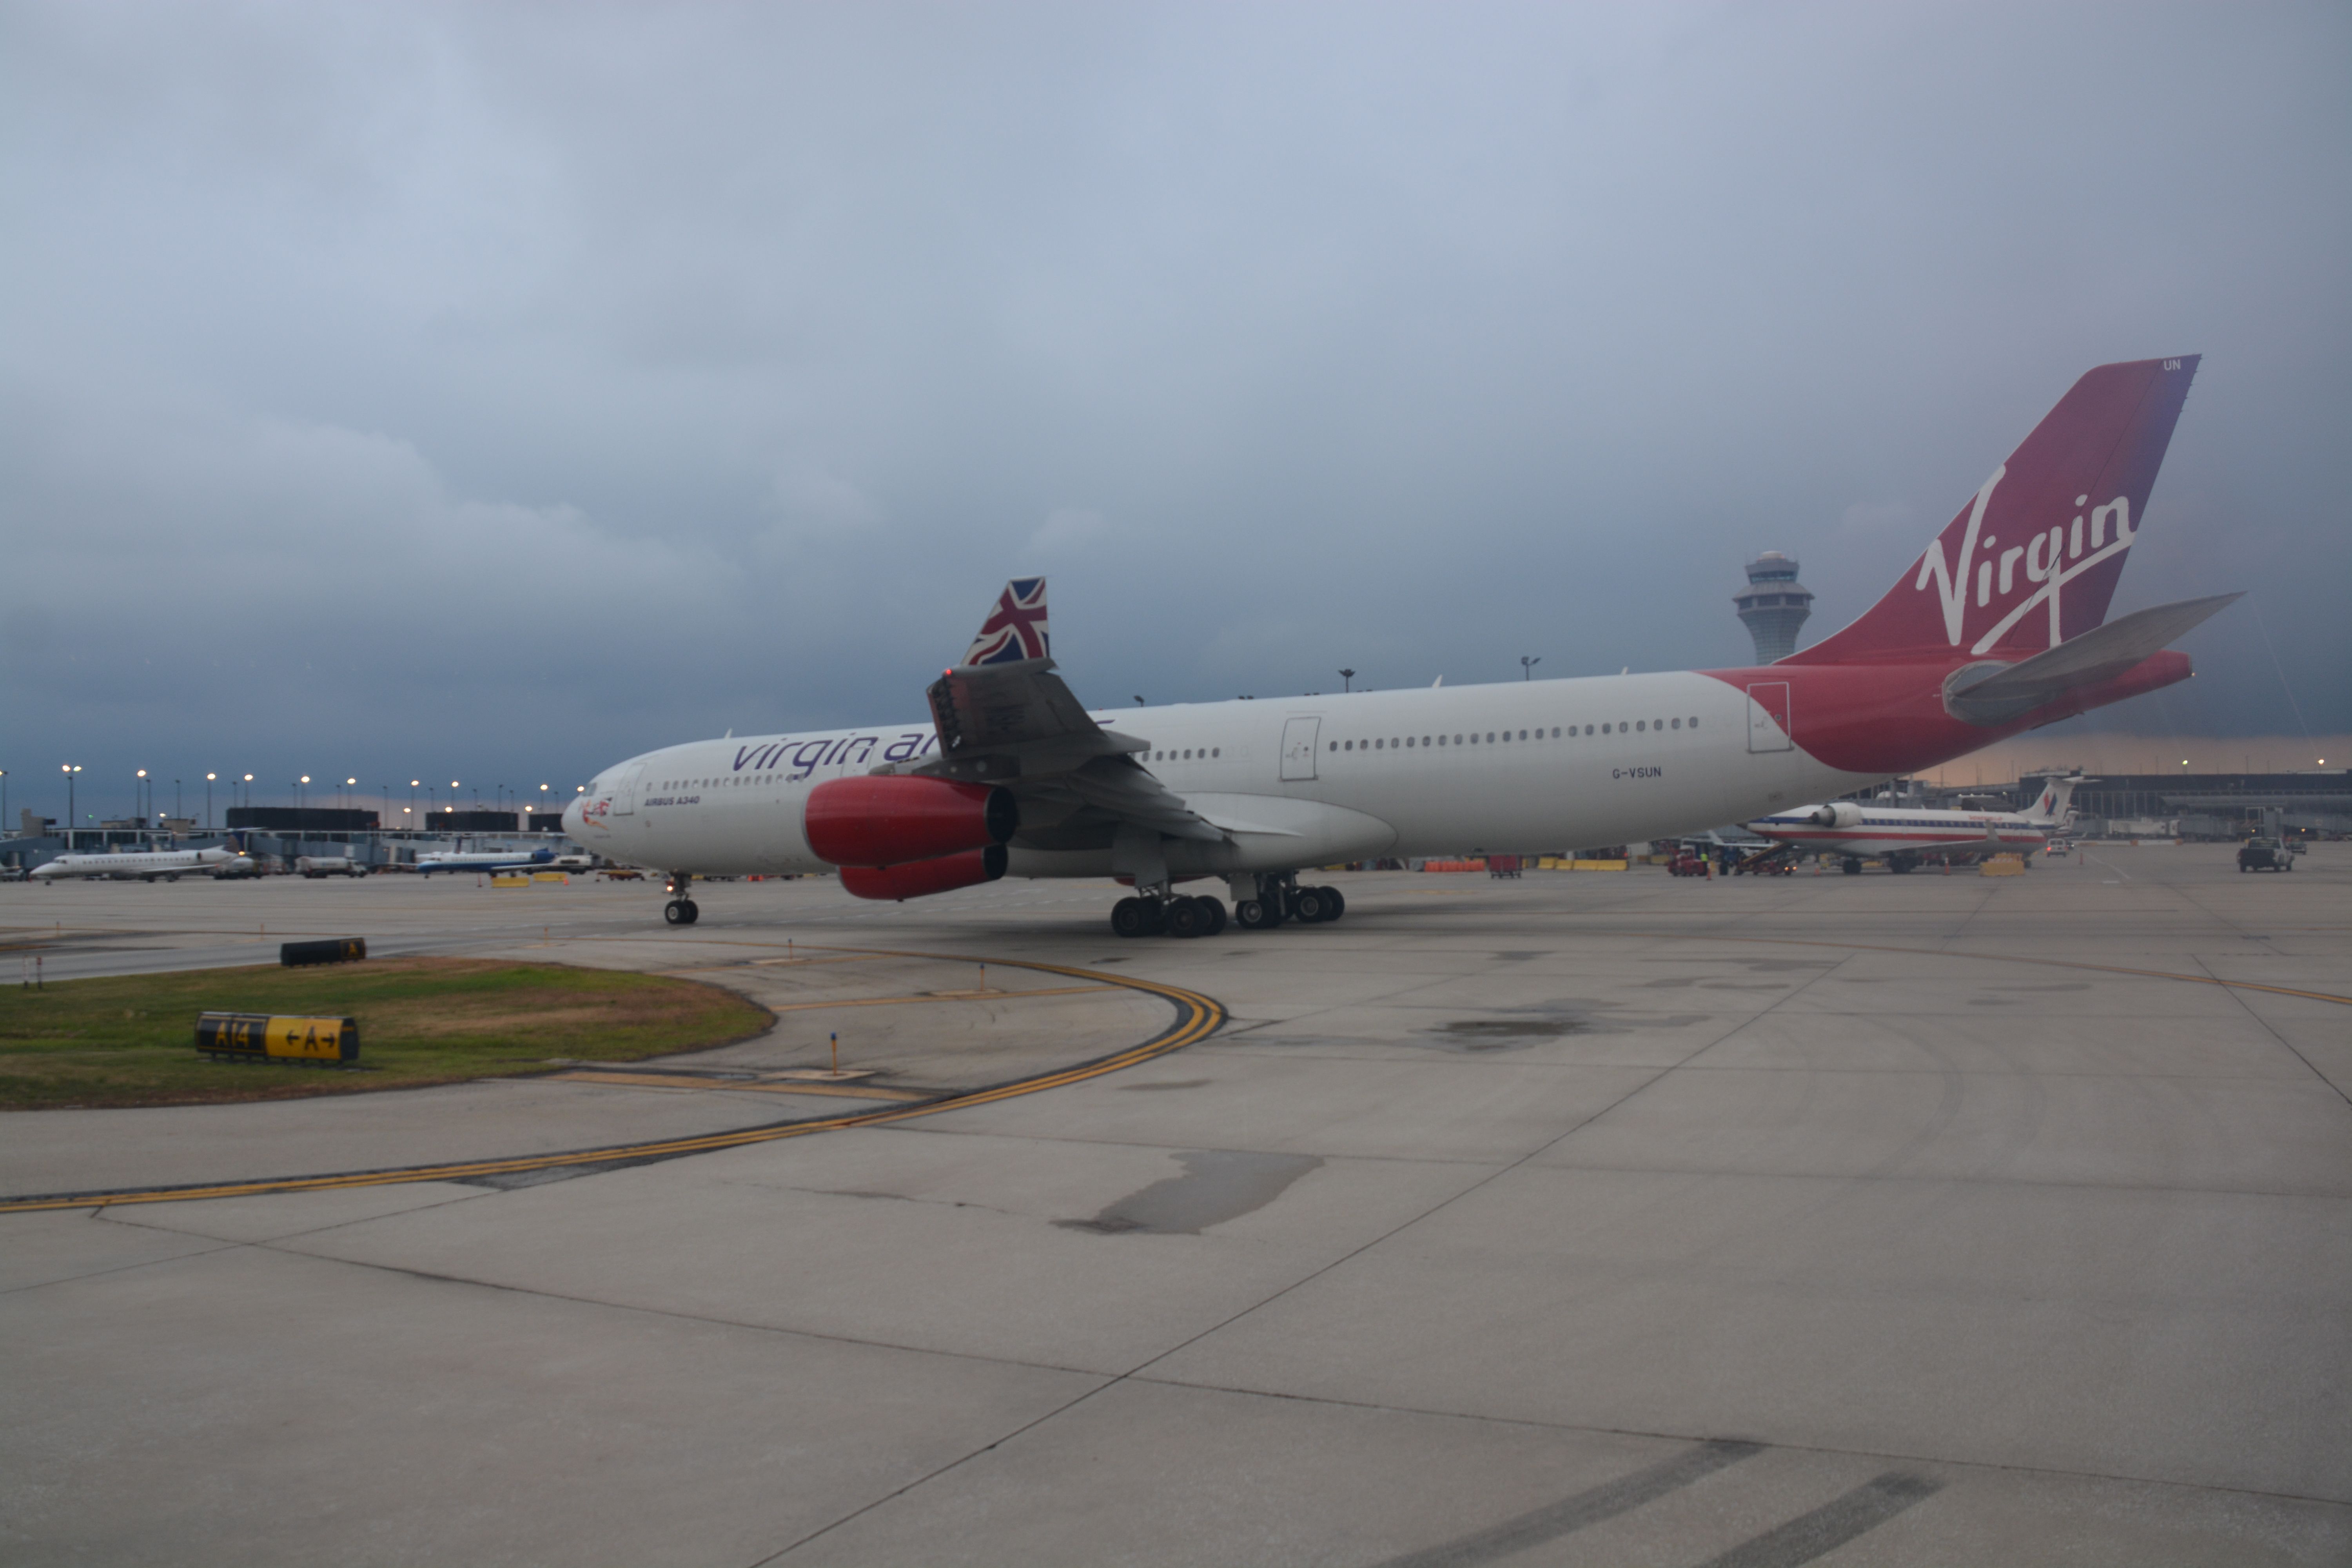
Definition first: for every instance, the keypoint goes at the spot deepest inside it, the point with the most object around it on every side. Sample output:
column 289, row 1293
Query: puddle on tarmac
column 1218, row 1184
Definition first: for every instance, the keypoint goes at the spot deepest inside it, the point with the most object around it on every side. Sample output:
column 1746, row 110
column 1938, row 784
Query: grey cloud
column 566, row 381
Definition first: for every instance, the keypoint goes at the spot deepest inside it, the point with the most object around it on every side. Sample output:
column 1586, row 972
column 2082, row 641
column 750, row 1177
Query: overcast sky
column 494, row 391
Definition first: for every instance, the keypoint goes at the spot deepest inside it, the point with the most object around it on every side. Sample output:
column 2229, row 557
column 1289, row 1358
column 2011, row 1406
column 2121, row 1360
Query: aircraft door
column 625, row 794
column 1769, row 726
column 1298, row 747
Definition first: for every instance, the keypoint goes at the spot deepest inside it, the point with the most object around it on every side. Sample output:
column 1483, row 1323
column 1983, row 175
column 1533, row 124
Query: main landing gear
column 1269, row 901
column 681, row 911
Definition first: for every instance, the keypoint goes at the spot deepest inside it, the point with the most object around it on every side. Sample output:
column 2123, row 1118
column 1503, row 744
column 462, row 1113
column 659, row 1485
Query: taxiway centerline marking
column 1197, row 1017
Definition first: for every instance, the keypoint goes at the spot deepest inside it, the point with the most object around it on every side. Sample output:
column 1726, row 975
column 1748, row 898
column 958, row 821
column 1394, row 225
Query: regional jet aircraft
column 484, row 860
column 1996, row 629
column 145, row 864
column 1905, row 835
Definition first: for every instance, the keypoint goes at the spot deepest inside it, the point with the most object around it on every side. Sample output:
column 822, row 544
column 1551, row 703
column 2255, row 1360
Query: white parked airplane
column 1905, row 835
column 146, row 865
column 483, row 860
column 1996, row 629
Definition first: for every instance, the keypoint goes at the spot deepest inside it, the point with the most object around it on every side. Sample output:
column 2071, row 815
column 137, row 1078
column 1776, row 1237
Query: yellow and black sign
column 263, row 1037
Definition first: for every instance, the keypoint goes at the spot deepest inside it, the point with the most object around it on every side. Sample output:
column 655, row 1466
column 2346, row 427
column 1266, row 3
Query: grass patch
column 131, row 1039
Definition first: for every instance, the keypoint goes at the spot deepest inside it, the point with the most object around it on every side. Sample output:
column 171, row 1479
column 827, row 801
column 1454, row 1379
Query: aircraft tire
column 1852, row 868
column 1131, row 918
column 1212, row 914
column 1336, row 901
column 1310, row 907
column 675, row 912
column 1252, row 914
column 171, row 876
column 1185, row 918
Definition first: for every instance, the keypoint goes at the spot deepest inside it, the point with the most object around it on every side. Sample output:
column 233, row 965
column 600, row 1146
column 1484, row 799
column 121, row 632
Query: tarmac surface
column 1583, row 1218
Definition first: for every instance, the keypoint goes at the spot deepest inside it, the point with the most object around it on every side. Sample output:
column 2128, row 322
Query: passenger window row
column 1497, row 737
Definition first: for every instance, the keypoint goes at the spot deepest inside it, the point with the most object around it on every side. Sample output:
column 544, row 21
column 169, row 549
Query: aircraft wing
column 1004, row 717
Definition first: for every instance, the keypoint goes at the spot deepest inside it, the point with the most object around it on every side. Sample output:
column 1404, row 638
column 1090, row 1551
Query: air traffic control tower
column 1774, row 605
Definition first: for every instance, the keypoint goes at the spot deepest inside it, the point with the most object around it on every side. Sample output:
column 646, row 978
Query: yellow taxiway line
column 1197, row 1017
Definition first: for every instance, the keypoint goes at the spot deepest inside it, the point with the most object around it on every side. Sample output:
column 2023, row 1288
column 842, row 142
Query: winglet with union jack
column 1015, row 627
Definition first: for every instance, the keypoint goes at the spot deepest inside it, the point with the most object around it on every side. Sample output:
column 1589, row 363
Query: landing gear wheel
column 1335, row 903
column 1255, row 914
column 1135, row 916
column 1185, row 918
column 681, row 912
column 1310, row 907
column 1853, row 867
column 1899, row 864
column 1212, row 915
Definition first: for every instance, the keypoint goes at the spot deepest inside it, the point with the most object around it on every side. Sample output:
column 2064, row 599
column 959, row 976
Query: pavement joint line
column 1197, row 1017
column 2000, row 958
column 2294, row 1050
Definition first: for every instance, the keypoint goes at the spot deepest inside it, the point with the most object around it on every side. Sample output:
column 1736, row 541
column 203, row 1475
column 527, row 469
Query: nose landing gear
column 681, row 911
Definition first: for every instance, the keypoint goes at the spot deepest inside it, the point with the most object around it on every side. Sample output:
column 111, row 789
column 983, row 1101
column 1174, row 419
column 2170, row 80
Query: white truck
column 317, row 865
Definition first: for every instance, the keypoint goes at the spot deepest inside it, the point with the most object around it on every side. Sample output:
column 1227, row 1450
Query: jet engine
column 892, row 820
column 1837, row 814
column 917, row 877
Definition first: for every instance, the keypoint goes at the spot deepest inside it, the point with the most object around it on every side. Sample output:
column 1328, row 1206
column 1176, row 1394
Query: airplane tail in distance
column 2055, row 805
column 2033, row 558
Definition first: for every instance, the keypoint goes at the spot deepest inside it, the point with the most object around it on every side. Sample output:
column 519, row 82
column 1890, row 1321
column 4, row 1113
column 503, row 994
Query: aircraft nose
column 572, row 814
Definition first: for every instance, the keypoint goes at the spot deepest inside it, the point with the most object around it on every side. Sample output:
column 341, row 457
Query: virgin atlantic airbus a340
column 2000, row 627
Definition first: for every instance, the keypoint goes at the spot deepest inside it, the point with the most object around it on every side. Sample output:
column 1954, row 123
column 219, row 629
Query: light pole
column 138, row 797
column 1527, row 666
column 208, row 803
column 248, row 792
column 3, row 795
column 70, row 770
column 176, row 800
column 1347, row 680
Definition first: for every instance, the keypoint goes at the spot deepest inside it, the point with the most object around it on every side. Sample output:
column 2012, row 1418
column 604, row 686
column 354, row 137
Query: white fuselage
column 1302, row 782
column 482, row 860
column 1935, row 835
column 144, row 864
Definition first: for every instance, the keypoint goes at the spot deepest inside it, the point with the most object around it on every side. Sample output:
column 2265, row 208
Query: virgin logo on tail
column 2052, row 559
column 2032, row 542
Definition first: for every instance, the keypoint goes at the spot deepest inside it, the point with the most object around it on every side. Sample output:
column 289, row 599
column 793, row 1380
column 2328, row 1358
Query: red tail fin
column 2033, row 558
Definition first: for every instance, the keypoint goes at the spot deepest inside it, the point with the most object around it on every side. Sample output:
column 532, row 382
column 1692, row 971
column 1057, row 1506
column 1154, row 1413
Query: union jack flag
column 1015, row 628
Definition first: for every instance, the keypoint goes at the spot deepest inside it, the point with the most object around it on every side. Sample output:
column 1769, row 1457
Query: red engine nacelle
column 912, row 880
column 892, row 820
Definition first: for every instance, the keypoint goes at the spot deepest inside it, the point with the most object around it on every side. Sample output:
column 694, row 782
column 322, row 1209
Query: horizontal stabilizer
column 1990, row 693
